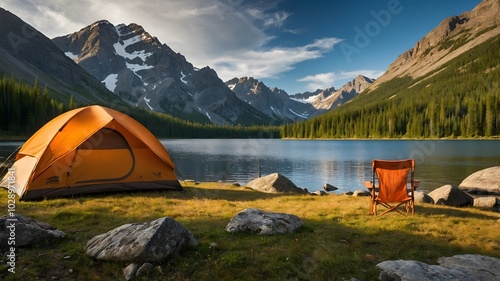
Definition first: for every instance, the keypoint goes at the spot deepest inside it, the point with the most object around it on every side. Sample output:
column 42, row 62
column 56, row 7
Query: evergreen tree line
column 166, row 126
column 461, row 99
column 24, row 109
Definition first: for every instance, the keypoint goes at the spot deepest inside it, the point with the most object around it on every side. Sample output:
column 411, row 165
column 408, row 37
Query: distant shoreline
column 14, row 138
column 23, row 139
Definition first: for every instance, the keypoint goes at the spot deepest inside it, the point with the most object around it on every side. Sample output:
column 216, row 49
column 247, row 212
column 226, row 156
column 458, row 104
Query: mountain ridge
column 24, row 53
column 149, row 74
column 274, row 102
column 453, row 36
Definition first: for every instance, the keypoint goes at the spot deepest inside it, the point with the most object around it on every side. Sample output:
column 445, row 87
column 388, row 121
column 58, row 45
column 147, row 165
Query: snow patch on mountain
column 71, row 55
column 120, row 49
column 146, row 100
column 298, row 114
column 277, row 112
column 310, row 99
column 183, row 78
column 110, row 82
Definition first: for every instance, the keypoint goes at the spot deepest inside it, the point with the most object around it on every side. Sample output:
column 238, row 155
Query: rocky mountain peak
column 331, row 98
column 358, row 84
column 274, row 102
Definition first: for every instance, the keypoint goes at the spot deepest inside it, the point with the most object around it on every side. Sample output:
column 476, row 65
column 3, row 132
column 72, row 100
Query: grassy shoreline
column 339, row 239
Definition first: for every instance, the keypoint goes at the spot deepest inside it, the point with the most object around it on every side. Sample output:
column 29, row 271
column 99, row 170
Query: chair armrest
column 415, row 183
column 369, row 184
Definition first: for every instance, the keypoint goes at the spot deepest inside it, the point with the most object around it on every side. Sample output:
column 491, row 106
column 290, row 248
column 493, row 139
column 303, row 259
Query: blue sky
column 295, row 45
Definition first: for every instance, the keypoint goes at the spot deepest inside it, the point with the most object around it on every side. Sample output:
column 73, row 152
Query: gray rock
column 487, row 180
column 459, row 268
column 451, row 196
column 263, row 223
column 129, row 271
column 402, row 270
column 274, row 183
column 145, row 242
column 27, row 231
column 422, row 197
column 362, row 193
column 485, row 202
column 477, row 267
column 319, row 192
column 144, row 269
column 329, row 187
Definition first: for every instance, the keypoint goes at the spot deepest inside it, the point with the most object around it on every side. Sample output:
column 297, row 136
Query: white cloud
column 278, row 19
column 328, row 79
column 270, row 63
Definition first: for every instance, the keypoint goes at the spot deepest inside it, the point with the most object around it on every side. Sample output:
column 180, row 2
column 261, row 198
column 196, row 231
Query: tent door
column 104, row 157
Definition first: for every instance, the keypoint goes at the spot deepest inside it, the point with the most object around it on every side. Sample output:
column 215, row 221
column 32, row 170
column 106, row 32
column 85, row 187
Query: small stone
column 129, row 271
column 213, row 245
column 144, row 269
column 361, row 193
column 158, row 268
column 329, row 187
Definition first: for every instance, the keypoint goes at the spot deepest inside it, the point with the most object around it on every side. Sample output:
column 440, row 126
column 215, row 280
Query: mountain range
column 331, row 98
column 146, row 73
column 124, row 65
column 137, row 67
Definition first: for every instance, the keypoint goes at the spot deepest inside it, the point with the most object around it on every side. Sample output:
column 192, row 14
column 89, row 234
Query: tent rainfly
column 90, row 150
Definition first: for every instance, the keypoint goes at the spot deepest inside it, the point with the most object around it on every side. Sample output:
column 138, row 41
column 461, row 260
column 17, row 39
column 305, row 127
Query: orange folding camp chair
column 392, row 191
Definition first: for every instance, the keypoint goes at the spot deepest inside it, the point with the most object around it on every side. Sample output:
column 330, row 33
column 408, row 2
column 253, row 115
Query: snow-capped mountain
column 275, row 103
column 137, row 67
column 331, row 98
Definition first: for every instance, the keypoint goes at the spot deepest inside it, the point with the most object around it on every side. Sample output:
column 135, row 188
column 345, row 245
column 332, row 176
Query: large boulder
column 486, row 180
column 460, row 267
column 24, row 231
column 422, row 197
column 262, row 222
column 274, row 183
column 142, row 242
column 451, row 196
column 486, row 202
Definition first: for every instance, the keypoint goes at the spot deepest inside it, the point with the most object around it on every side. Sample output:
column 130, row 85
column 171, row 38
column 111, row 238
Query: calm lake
column 345, row 164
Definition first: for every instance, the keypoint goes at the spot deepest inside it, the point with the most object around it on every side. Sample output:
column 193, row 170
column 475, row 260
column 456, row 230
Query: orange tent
column 88, row 150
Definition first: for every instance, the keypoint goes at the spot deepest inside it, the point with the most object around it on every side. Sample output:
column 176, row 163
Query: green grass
column 339, row 239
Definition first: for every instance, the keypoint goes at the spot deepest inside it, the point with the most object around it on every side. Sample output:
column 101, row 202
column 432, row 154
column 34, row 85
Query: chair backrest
column 392, row 178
